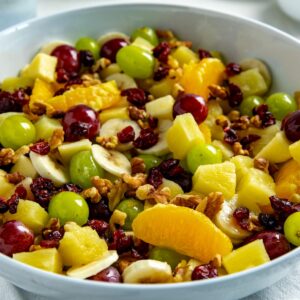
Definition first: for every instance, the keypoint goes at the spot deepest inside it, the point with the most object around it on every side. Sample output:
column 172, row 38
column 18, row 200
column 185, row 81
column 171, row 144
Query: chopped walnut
column 14, row 178
column 118, row 217
column 234, row 115
column 39, row 108
column 124, row 261
column 176, row 44
column 92, row 194
column 222, row 121
column 165, row 34
column 57, row 138
column 116, row 194
column 101, row 64
column 254, row 224
column 256, row 121
column 135, row 181
column 29, row 114
column 173, row 63
column 218, row 91
column 6, row 156
column 102, row 185
column 137, row 165
column 242, row 123
column 90, row 79
column 184, row 270
column 217, row 261
column 261, row 164
column 214, row 204
column 143, row 191
column 238, row 149
column 175, row 74
column 147, row 192
column 191, row 201
column 53, row 224
column 108, row 142
column 137, row 114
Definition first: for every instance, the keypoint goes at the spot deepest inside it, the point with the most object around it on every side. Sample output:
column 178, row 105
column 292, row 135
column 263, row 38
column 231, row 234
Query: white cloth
column 263, row 10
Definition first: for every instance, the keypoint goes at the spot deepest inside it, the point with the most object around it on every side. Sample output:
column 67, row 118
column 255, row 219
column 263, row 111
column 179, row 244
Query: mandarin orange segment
column 197, row 77
column 182, row 229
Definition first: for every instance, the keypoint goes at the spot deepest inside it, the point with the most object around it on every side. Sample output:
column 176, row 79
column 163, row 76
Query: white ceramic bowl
column 291, row 8
column 237, row 38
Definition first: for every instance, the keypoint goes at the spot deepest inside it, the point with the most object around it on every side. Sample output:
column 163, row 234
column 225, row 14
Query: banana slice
column 251, row 63
column 113, row 126
column 112, row 35
column 161, row 148
column 48, row 48
column 48, row 168
column 94, row 267
column 147, row 271
column 224, row 220
column 123, row 81
column 111, row 161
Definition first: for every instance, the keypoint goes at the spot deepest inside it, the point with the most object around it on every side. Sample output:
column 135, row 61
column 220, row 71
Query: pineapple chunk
column 45, row 259
column 254, row 189
column 67, row 150
column 214, row 111
column 80, row 245
column 114, row 113
column 295, row 151
column 251, row 82
column 42, row 66
column 161, row 108
column 31, row 214
column 10, row 84
column 45, row 127
column 175, row 189
column 183, row 134
column 185, row 55
column 215, row 178
column 277, row 150
column 162, row 88
column 242, row 165
column 25, row 167
column 245, row 257
column 226, row 150
column 6, row 188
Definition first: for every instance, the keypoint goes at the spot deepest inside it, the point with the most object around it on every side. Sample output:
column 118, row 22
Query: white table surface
column 263, row 10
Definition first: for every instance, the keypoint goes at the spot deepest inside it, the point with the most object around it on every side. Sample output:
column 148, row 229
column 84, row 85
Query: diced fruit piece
column 10, row 84
column 254, row 189
column 226, row 150
column 242, row 165
column 114, row 113
column 5, row 115
column 175, row 188
column 159, row 226
column 245, row 257
column 185, row 55
column 161, row 108
column 291, row 125
column 206, row 132
column 88, row 44
column 277, row 150
column 198, row 76
column 143, row 44
column 183, row 134
column 110, row 47
column 45, row 259
column 250, row 82
column 122, row 80
column 246, row 107
column 150, row 160
column 31, row 214
column 110, row 70
column 45, row 127
column 80, row 245
column 162, row 88
column 67, row 150
column 146, row 33
column 292, row 228
column 287, row 180
column 42, row 66
column 5, row 187
column 295, row 151
column 214, row 111
column 98, row 97
column 215, row 178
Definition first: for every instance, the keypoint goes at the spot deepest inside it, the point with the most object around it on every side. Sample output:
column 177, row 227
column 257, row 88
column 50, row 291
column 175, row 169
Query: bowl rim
column 41, row 274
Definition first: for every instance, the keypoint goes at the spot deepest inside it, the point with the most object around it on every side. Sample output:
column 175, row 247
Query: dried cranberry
column 161, row 73
column 110, row 274
column 126, row 135
column 3, row 206
column 169, row 168
column 248, row 139
column 230, row 136
column 12, row 101
column 235, row 96
column 204, row 53
column 60, row 91
column 86, row 58
column 241, row 215
column 153, row 122
column 184, row 179
column 21, row 191
column 146, row 139
column 135, row 96
column 267, row 220
column 204, row 272
column 121, row 242
column 283, row 206
column 99, row 225
column 265, row 116
column 233, row 69
column 41, row 147
column 73, row 81
column 49, row 243
column 100, row 211
column 141, row 249
column 42, row 189
column 291, row 126
column 70, row 187
column 13, row 202
column 162, row 51
column 52, row 235
column 155, row 177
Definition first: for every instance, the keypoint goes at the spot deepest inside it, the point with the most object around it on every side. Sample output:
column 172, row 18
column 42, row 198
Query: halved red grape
column 110, row 48
column 110, row 274
column 291, row 126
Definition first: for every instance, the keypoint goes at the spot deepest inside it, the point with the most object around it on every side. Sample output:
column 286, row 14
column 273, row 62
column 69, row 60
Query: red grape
column 190, row 103
column 15, row 237
column 291, row 125
column 109, row 274
column 79, row 122
column 110, row 48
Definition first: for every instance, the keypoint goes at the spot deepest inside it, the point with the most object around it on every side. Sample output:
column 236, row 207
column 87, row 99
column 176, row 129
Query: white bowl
column 291, row 8
column 237, row 38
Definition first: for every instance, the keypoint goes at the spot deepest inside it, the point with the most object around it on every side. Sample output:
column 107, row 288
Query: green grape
column 16, row 131
column 146, row 33
column 83, row 168
column 132, row 208
column 203, row 154
column 249, row 103
column 69, row 206
column 166, row 255
column 150, row 160
column 281, row 104
column 291, row 228
column 135, row 62
column 87, row 43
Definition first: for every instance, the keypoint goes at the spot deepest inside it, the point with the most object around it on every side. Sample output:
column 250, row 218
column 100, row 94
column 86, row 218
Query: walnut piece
column 222, row 121
column 137, row 114
column 238, row 149
column 57, row 138
column 101, row 64
column 165, row 34
column 148, row 193
column 108, row 142
column 242, row 123
column 214, row 204
column 29, row 114
column 256, row 121
column 218, row 91
column 191, row 201
column 137, row 165
column 9, row 156
column 92, row 194
column 261, row 164
column 90, row 79
column 116, row 194
column 135, row 181
column 14, row 178
column 102, row 185
column 118, row 217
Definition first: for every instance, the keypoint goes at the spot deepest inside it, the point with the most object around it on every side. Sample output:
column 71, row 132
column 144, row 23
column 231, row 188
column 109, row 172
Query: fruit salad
column 146, row 159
